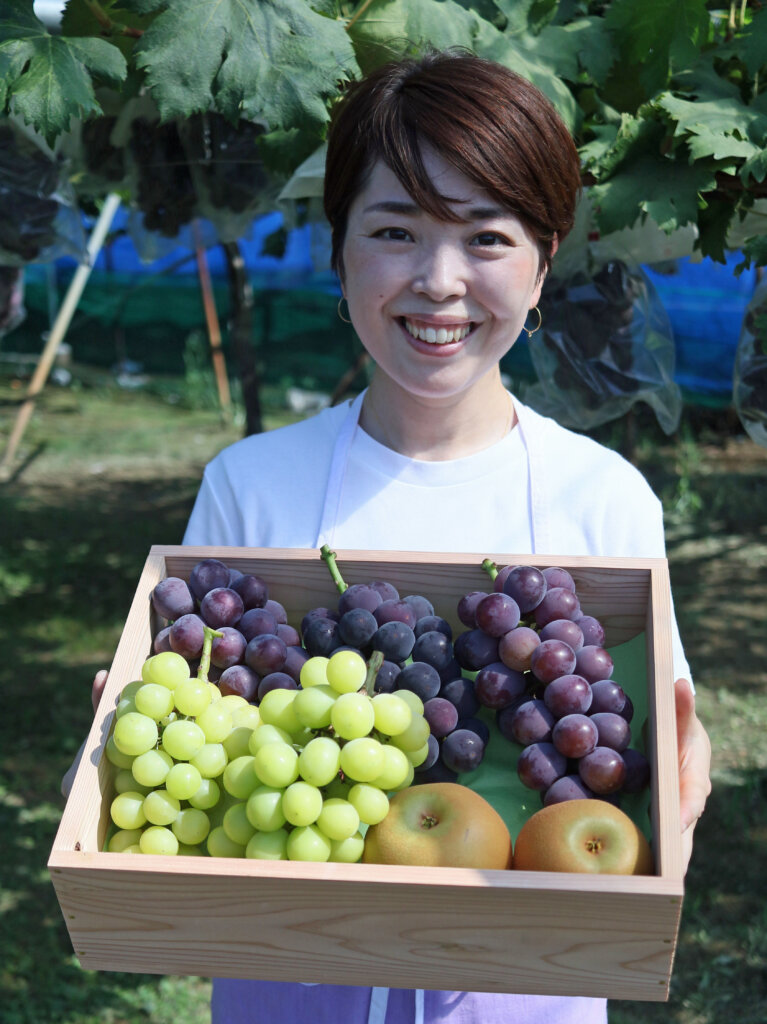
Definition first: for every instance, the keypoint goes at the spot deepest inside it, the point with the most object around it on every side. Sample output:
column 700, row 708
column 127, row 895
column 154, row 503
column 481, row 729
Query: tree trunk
column 241, row 332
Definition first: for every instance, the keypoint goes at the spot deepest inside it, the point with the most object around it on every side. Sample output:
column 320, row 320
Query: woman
column 449, row 183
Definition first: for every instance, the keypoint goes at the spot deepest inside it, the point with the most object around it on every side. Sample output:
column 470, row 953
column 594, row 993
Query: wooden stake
column 59, row 329
column 214, row 329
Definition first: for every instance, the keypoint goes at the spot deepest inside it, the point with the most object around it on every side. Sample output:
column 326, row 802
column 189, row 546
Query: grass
column 104, row 473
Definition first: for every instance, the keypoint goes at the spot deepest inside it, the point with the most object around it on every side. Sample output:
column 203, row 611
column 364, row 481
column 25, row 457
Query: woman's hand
column 694, row 751
column 99, row 682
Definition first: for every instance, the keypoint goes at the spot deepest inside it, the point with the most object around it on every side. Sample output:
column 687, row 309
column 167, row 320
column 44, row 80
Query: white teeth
column 436, row 336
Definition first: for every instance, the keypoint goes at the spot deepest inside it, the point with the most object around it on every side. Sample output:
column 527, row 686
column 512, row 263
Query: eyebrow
column 410, row 209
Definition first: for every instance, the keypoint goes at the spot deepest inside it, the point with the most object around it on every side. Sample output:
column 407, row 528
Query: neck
column 436, row 430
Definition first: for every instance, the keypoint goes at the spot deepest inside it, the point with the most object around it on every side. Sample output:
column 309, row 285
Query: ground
column 103, row 473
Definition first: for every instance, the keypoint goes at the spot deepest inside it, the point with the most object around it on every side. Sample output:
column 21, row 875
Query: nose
column 440, row 273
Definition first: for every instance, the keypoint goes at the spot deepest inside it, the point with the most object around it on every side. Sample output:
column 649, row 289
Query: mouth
column 437, row 334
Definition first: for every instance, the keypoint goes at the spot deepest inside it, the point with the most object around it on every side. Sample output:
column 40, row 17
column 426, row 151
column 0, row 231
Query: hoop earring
column 530, row 332
column 340, row 314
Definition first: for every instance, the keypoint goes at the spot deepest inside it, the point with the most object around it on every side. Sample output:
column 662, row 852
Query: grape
column 187, row 635
column 314, row 672
column 557, row 603
column 207, row 796
column 551, row 659
column 252, row 589
column 264, row 734
column 603, row 770
column 207, row 575
column 462, row 751
column 266, row 653
column 255, row 622
column 414, row 737
column 319, row 761
column 593, row 663
column 359, row 595
column 500, row 578
column 371, row 803
column 135, row 733
column 210, row 761
column 467, row 607
column 392, row 715
column 338, row 819
column 121, row 840
column 575, row 735
column 432, row 754
column 229, row 649
column 167, row 668
column 475, row 725
column 264, row 809
column 387, row 591
column 421, row 678
column 397, row 770
column 362, row 759
column 540, row 765
column 154, row 700
column 496, row 614
column 568, row 695
column 352, row 716
column 124, row 782
column 566, row 630
column 221, row 607
column 529, row 722
column 422, row 606
column 497, row 686
column 441, row 715
column 556, row 577
column 183, row 781
column 526, row 585
column 593, row 631
column 613, row 730
column 220, row 845
column 433, row 622
column 159, row 841
column 438, row 772
column 451, row 671
column 395, row 611
column 268, row 846
column 302, row 803
column 637, row 771
column 569, row 787
column 294, row 661
column 312, row 706
column 240, row 680
column 346, row 671
column 160, row 807
column 275, row 681
column 172, row 598
column 115, row 756
column 395, row 640
column 191, row 826
column 277, row 610
column 474, row 649
column 308, row 844
column 608, row 696
column 460, row 692
column 161, row 642
column 356, row 627
column 275, row 764
column 434, row 648
column 321, row 637
column 288, row 635
column 318, row 613
column 183, row 739
column 627, row 711
column 192, row 697
column 515, row 648
column 386, row 677
column 276, row 708
column 412, row 700
column 127, row 810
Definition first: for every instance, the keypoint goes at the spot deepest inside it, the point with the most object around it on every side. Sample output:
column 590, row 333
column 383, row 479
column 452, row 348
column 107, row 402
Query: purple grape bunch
column 541, row 666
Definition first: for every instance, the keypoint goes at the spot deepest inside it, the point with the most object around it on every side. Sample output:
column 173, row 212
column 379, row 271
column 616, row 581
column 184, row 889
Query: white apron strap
column 338, row 464
column 536, row 462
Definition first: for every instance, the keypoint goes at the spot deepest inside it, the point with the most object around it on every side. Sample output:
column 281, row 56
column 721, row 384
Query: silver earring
column 528, row 331
column 340, row 314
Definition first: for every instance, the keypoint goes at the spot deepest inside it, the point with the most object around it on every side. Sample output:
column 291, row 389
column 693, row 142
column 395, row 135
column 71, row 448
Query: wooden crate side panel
column 341, row 930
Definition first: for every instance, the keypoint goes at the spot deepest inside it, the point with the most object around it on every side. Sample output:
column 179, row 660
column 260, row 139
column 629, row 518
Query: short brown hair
column 493, row 125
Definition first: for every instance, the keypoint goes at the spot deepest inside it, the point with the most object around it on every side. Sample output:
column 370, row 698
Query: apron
column 379, row 997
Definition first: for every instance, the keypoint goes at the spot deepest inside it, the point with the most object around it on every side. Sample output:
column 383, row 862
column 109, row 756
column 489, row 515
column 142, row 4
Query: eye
column 394, row 234
column 489, row 239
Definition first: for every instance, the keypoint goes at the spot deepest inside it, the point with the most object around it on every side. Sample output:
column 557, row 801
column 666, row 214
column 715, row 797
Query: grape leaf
column 393, row 28
column 659, row 34
column 714, row 220
column 276, row 60
column 667, row 190
column 755, row 251
column 594, row 46
column 722, row 128
column 593, row 152
column 750, row 45
column 755, row 167
column 51, row 75
column 527, row 15
column 79, row 19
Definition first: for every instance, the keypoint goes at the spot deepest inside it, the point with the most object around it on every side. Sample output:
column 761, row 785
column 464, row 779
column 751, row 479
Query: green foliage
column 667, row 99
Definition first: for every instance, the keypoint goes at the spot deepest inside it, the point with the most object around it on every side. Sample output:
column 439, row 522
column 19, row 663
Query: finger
column 694, row 752
column 99, row 683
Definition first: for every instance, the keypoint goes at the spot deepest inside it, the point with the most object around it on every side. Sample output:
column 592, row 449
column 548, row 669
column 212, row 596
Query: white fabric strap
column 536, row 469
column 337, row 474
column 379, row 1000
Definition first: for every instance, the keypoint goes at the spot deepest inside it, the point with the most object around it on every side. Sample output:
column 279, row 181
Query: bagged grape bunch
column 750, row 375
column 39, row 218
column 605, row 343
column 540, row 665
column 289, row 754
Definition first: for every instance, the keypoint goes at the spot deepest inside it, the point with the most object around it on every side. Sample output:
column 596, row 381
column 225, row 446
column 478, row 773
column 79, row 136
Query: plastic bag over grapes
column 39, row 217
column 604, row 344
column 750, row 374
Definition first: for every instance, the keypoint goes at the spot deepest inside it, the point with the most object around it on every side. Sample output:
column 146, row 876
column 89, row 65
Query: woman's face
column 435, row 303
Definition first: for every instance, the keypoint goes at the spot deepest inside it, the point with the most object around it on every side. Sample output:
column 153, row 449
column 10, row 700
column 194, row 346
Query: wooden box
column 402, row 927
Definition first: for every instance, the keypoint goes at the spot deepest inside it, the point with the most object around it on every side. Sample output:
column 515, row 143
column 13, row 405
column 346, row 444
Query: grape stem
column 202, row 671
column 490, row 568
column 374, row 665
column 329, row 558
